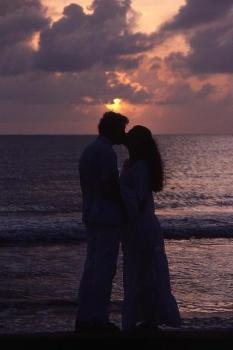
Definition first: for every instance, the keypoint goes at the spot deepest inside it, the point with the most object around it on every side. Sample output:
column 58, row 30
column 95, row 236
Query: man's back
column 98, row 175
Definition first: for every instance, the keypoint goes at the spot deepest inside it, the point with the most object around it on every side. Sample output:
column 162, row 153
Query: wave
column 66, row 228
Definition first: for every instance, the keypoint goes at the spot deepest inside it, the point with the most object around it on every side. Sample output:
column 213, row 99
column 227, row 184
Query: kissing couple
column 120, row 209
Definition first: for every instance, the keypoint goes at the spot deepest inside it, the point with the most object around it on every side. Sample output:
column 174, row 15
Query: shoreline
column 163, row 336
column 191, row 328
column 193, row 323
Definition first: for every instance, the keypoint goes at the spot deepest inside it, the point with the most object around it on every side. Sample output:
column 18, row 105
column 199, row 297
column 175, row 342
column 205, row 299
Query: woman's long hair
column 141, row 145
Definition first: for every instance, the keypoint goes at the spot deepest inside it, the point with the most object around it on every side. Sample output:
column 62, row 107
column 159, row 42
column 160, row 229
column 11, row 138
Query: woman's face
column 132, row 142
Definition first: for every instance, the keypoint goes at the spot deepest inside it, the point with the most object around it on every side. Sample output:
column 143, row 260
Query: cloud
column 11, row 6
column 79, row 41
column 197, row 12
column 16, row 59
column 85, row 60
column 211, row 52
column 92, row 87
column 208, row 28
column 19, row 20
column 74, row 53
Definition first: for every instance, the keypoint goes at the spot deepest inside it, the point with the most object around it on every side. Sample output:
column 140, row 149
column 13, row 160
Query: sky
column 165, row 64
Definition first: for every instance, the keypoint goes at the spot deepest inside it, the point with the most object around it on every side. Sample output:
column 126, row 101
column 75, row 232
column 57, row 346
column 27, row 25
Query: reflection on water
column 202, row 274
column 39, row 284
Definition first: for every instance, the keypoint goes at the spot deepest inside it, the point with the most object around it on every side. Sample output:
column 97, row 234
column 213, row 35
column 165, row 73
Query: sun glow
column 115, row 105
column 34, row 42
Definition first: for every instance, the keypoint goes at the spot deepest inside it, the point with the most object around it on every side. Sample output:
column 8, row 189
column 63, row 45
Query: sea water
column 42, row 239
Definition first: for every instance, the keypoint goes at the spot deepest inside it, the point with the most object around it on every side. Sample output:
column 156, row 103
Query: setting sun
column 116, row 105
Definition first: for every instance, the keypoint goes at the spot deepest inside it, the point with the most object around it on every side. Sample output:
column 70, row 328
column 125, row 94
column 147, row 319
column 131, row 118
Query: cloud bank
column 82, row 61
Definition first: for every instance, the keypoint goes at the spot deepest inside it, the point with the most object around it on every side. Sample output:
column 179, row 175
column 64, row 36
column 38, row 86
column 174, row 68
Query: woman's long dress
column 147, row 289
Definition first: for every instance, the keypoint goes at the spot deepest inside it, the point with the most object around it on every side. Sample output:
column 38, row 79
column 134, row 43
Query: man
column 103, row 216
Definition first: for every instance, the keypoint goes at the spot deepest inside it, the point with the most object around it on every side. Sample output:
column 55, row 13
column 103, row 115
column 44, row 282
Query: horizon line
column 159, row 134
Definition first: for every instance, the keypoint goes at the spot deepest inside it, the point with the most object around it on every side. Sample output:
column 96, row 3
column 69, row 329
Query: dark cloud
column 79, row 45
column 197, row 12
column 211, row 51
column 76, row 42
column 208, row 28
column 19, row 20
column 79, row 41
column 16, row 59
column 10, row 6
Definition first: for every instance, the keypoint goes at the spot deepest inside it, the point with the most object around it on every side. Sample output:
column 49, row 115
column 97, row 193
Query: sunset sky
column 167, row 64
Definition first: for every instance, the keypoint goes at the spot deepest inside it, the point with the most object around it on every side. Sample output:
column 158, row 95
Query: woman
column 147, row 290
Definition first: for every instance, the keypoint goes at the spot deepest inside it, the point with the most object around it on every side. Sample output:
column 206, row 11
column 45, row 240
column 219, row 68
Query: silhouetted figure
column 147, row 289
column 103, row 216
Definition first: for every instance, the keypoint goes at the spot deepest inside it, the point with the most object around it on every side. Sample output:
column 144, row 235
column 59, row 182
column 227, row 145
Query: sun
column 115, row 105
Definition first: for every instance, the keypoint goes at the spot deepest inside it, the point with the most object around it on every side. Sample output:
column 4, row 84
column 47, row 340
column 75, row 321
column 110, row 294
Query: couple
column 121, row 209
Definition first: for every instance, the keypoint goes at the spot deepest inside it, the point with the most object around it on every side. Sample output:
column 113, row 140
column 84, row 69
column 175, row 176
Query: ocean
column 42, row 239
column 40, row 192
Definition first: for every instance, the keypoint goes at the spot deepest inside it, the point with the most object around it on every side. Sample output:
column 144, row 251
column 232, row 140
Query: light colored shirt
column 136, row 190
column 99, row 180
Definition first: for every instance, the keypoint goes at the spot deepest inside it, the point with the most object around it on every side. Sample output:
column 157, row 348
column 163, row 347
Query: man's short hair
column 111, row 121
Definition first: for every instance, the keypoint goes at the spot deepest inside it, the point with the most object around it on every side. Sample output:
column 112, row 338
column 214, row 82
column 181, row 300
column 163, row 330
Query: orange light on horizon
column 115, row 105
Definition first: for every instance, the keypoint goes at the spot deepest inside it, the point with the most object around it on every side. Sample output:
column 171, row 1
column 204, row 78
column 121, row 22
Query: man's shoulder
column 102, row 147
column 98, row 150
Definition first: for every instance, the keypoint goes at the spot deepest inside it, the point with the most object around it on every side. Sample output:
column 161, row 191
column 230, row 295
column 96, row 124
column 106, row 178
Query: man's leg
column 100, row 267
column 85, row 298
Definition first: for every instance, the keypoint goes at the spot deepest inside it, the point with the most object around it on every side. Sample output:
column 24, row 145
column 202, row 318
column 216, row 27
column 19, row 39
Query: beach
column 39, row 286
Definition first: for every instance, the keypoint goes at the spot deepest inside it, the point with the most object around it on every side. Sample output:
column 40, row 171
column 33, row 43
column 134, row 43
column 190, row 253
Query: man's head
column 112, row 125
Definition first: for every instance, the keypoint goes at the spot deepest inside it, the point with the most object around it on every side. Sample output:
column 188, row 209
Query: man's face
column 119, row 136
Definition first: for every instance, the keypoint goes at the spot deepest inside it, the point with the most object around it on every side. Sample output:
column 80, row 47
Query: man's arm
column 110, row 187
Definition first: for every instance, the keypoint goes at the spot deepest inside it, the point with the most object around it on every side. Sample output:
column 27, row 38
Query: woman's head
column 142, row 146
